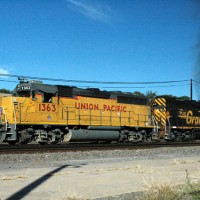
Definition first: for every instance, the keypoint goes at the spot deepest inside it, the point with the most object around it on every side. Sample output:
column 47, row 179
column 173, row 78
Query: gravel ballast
column 52, row 159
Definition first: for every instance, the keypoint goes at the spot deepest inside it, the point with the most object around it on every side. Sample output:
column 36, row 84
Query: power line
column 93, row 82
column 196, row 81
column 161, row 86
column 124, row 87
column 8, row 81
column 196, row 85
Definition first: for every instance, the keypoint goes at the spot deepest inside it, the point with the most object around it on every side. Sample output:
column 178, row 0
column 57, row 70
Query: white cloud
column 3, row 71
column 97, row 12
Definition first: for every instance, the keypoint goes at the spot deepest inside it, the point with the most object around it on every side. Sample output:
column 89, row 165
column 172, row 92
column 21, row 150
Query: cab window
column 23, row 94
column 47, row 97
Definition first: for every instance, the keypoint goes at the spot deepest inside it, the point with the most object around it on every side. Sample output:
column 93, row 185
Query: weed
column 192, row 188
column 8, row 178
column 162, row 191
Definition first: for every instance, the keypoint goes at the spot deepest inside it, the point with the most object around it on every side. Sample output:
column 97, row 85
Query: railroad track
column 35, row 148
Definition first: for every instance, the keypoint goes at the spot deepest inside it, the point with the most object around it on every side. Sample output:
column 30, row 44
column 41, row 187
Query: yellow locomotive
column 55, row 113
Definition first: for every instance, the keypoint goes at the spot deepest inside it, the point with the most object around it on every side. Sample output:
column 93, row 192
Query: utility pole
column 191, row 89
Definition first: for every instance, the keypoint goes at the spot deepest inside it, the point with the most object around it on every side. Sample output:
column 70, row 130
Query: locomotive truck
column 55, row 113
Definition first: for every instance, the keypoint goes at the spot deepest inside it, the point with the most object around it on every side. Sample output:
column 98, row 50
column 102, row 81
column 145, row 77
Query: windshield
column 23, row 94
column 22, row 90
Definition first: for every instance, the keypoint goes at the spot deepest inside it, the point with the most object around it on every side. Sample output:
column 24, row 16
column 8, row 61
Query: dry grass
column 139, row 169
column 161, row 191
column 192, row 187
column 177, row 161
column 167, row 191
column 9, row 178
column 69, row 197
column 72, row 198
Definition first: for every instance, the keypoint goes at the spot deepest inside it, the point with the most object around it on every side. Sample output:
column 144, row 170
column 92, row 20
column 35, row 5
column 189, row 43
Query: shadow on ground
column 27, row 189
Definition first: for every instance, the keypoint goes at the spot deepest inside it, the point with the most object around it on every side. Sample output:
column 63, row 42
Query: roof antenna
column 21, row 79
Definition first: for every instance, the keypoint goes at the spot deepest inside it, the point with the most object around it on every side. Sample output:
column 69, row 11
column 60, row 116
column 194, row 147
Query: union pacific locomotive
column 55, row 113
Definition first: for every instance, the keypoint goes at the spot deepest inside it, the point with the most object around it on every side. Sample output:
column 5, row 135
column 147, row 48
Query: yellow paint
column 78, row 111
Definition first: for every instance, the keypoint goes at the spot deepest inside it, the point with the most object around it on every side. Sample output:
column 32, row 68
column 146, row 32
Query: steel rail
column 74, row 147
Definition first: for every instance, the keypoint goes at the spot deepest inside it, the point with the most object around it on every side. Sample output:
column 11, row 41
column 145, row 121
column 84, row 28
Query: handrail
column 155, row 122
column 15, row 118
column 130, row 118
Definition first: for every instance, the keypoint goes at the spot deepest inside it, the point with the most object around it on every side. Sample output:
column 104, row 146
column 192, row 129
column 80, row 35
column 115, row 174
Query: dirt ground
column 90, row 180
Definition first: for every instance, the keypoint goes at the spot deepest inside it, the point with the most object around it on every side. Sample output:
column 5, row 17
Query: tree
column 137, row 93
column 5, row 91
column 150, row 95
column 184, row 98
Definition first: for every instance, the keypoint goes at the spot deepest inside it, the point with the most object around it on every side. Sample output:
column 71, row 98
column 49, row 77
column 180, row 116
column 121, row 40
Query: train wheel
column 12, row 142
column 25, row 135
column 55, row 136
column 107, row 142
column 43, row 143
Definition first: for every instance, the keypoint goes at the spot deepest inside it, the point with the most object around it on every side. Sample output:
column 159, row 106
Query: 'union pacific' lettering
column 92, row 106
column 87, row 106
column 190, row 119
column 114, row 108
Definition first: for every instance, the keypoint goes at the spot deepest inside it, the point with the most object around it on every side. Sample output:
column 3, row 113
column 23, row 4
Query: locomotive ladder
column 2, row 113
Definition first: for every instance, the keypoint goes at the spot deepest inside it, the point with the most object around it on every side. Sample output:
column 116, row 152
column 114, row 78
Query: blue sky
column 102, row 40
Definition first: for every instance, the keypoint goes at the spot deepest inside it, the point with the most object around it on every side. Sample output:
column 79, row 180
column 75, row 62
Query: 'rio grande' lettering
column 192, row 120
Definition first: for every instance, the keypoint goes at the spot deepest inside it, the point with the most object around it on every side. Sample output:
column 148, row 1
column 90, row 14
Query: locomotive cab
column 35, row 90
column 32, row 102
